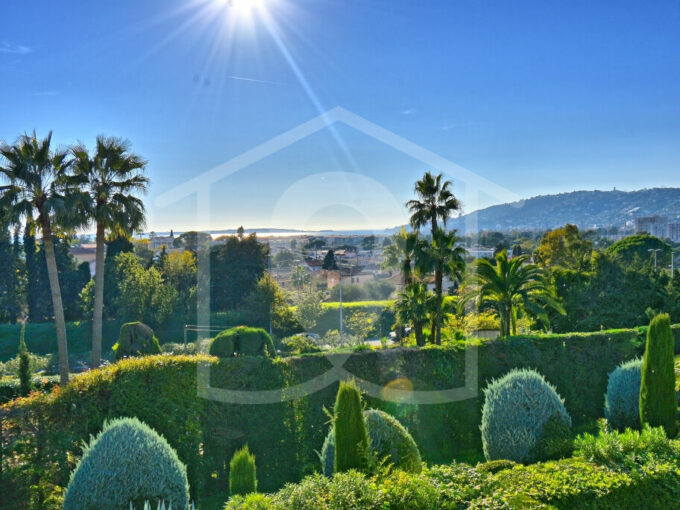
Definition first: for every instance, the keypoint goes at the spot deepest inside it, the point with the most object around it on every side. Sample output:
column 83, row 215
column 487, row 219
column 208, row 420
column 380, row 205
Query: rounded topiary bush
column 128, row 462
column 136, row 339
column 388, row 440
column 243, row 340
column 622, row 400
column 517, row 407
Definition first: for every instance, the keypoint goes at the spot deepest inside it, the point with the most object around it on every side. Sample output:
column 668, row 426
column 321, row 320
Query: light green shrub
column 622, row 400
column 128, row 462
column 136, row 339
column 516, row 409
column 242, row 476
column 389, row 442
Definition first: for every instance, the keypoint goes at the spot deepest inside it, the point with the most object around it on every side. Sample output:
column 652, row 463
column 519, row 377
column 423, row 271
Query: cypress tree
column 351, row 439
column 242, row 478
column 25, row 383
column 658, row 405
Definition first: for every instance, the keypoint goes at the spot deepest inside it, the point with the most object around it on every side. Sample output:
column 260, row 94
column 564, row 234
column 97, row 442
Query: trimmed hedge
column 136, row 339
column 285, row 437
column 242, row 340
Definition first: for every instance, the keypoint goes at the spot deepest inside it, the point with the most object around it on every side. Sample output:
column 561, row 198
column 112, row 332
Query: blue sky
column 537, row 97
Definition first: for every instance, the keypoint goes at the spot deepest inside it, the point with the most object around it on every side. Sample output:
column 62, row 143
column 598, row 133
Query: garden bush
column 243, row 340
column 136, row 339
column 299, row 344
column 242, row 475
column 128, row 462
column 658, row 401
column 516, row 409
column 389, row 442
column 351, row 440
column 622, row 401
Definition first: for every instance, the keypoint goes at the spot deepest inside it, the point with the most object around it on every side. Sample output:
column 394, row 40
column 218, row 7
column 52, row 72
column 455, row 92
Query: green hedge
column 285, row 437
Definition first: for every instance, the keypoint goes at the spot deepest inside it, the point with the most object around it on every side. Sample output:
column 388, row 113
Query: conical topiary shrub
column 242, row 476
column 127, row 463
column 351, row 440
column 658, row 404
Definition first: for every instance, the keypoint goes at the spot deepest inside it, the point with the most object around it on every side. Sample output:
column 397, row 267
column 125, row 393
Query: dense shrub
column 136, row 339
column 389, row 442
column 127, row 462
column 622, row 401
column 243, row 340
column 242, row 476
column 658, row 402
column 299, row 344
column 516, row 409
column 351, row 440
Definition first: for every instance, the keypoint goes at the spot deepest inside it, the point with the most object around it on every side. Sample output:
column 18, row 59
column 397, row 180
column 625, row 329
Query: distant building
column 658, row 226
column 158, row 241
column 85, row 253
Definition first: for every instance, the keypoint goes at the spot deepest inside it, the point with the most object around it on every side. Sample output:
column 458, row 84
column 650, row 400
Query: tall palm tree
column 508, row 285
column 401, row 254
column 434, row 203
column 109, row 180
column 35, row 195
column 443, row 256
column 413, row 306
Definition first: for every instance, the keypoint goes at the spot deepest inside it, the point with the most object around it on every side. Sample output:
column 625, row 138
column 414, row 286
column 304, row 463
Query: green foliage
column 351, row 439
column 299, row 344
column 658, row 401
column 622, row 401
column 243, row 340
column 371, row 290
column 637, row 247
column 266, row 305
column 494, row 466
column 390, row 443
column 564, row 247
column 127, row 462
column 242, row 477
column 516, row 409
column 136, row 339
column 628, row 449
column 24, row 372
column 308, row 309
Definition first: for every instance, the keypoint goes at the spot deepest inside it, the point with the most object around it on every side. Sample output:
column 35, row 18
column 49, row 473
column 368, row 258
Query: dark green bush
column 136, row 339
column 389, row 442
column 517, row 409
column 128, row 462
column 351, row 440
column 25, row 382
column 658, row 401
column 242, row 476
column 243, row 340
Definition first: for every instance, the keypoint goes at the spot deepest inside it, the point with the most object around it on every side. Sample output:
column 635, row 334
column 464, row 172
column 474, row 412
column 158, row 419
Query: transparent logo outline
column 200, row 186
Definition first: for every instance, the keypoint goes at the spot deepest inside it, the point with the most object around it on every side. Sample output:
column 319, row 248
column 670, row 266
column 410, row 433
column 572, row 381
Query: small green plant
column 136, row 339
column 127, row 463
column 622, row 400
column 658, row 402
column 242, row 476
column 517, row 408
column 25, row 373
column 351, row 439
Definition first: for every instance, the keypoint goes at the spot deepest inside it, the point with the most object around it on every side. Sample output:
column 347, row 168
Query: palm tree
column 508, row 285
column 109, row 179
column 445, row 257
column 413, row 306
column 435, row 202
column 35, row 195
column 401, row 254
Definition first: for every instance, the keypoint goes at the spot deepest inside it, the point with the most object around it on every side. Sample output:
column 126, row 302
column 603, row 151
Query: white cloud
column 14, row 49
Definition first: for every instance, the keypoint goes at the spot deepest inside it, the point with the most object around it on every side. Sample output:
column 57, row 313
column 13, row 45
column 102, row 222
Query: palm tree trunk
column 438, row 312
column 57, row 305
column 418, row 327
column 98, row 311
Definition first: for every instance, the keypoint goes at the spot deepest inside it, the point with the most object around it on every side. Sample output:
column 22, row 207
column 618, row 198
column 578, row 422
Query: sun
column 246, row 7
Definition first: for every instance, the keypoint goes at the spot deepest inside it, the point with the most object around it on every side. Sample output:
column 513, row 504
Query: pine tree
column 658, row 405
column 242, row 477
column 351, row 439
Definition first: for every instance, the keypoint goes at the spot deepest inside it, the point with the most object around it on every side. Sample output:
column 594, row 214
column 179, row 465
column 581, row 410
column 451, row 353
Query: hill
column 586, row 209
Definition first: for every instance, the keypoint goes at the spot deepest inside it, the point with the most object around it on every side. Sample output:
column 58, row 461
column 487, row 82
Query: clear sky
column 537, row 97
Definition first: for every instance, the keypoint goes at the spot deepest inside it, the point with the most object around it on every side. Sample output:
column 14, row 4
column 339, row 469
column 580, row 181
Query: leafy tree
column 308, row 309
column 400, row 254
column 284, row 258
column 634, row 249
column 368, row 243
column 361, row 324
column 10, row 292
column 445, row 257
column 235, row 268
column 413, row 306
column 300, row 276
column 107, row 181
column 36, row 183
column 179, row 270
column 267, row 303
column 193, row 241
column 143, row 250
column 434, row 203
column 658, row 404
column 329, row 261
column 509, row 285
column 115, row 245
column 564, row 247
